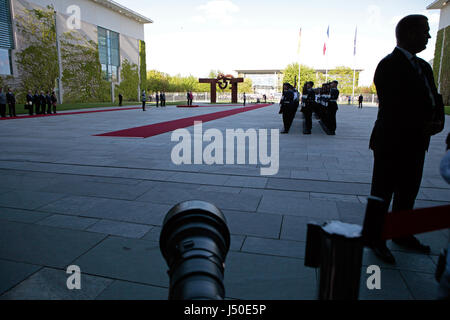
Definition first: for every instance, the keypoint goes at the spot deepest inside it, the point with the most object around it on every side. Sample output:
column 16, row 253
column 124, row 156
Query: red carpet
column 163, row 127
column 211, row 106
column 69, row 113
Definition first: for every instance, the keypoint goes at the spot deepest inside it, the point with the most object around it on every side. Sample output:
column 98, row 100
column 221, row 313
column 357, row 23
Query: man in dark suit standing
column 360, row 100
column 11, row 99
column 410, row 112
column 30, row 102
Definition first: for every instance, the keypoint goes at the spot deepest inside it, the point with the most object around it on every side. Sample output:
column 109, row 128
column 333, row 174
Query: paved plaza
column 69, row 197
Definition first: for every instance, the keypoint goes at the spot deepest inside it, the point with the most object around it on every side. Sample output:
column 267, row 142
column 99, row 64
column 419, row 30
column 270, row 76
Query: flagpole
column 354, row 64
column 299, row 66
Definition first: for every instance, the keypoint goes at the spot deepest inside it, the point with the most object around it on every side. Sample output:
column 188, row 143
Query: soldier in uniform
column 2, row 103
column 287, row 107
column 308, row 100
column 333, row 107
column 11, row 99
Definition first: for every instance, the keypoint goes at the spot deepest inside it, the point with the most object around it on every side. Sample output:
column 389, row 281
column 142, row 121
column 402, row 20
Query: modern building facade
column 441, row 61
column 117, row 30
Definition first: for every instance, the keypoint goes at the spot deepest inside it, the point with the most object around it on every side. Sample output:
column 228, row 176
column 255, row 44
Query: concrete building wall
column 445, row 17
column 92, row 16
column 97, row 14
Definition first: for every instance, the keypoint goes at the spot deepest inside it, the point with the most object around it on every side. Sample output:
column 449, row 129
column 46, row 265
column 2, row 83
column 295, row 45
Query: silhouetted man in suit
column 11, row 99
column 287, row 107
column 360, row 100
column 410, row 112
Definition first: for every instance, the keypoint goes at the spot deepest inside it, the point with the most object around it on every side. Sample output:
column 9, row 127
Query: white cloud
column 217, row 11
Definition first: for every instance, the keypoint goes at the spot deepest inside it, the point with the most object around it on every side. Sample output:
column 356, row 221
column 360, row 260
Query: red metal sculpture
column 223, row 81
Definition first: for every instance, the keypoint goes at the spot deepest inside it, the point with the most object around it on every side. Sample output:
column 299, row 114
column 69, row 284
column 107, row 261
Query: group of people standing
column 322, row 101
column 39, row 103
column 160, row 99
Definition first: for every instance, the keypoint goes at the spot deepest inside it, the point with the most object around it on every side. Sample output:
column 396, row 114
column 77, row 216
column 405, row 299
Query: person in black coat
column 157, row 99
column 37, row 102
column 54, row 101
column 120, row 99
column 48, row 100
column 43, row 102
column 29, row 103
column 11, row 99
column 287, row 104
column 308, row 101
column 409, row 113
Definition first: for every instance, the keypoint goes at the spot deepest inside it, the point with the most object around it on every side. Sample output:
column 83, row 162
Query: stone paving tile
column 259, row 277
column 199, row 178
column 126, row 259
column 123, row 290
column 436, row 240
column 423, row 286
column 309, row 175
column 253, row 224
column 123, row 229
column 352, row 213
column 263, row 192
column 224, row 201
column 50, row 284
column 333, row 197
column 68, row 222
column 220, row 189
column 282, row 248
column 437, row 194
column 19, row 215
column 12, row 273
column 246, row 182
column 121, row 210
column 42, row 245
column 319, row 186
column 299, row 207
column 295, row 228
column 393, row 287
column 107, row 190
column 29, row 200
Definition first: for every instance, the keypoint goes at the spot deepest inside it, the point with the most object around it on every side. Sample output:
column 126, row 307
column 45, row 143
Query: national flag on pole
column 356, row 35
column 326, row 40
column 299, row 41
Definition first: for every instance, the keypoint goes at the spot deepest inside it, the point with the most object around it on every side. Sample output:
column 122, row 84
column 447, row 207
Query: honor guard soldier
column 308, row 101
column 287, row 107
column 48, row 100
column 333, row 107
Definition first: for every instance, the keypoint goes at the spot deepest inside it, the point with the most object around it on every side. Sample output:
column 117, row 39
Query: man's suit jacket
column 405, row 104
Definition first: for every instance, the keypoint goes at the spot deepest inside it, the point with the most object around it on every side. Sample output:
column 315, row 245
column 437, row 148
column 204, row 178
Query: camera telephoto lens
column 194, row 242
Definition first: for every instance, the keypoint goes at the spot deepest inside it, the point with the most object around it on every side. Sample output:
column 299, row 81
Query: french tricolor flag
column 325, row 44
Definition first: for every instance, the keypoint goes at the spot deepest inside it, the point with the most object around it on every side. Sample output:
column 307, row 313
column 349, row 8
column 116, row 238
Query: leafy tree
column 143, row 66
column 246, row 86
column 157, row 81
column 82, row 74
column 38, row 61
column 290, row 74
column 130, row 81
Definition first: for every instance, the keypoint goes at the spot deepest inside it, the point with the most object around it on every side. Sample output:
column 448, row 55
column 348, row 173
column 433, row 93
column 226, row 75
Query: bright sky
column 193, row 37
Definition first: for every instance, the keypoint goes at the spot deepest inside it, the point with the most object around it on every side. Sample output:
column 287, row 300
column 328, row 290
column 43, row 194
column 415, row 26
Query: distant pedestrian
column 265, row 98
column 11, row 99
column 2, row 104
column 157, row 99
column 163, row 99
column 245, row 99
column 360, row 100
column 191, row 97
column 349, row 100
column 144, row 100
column 120, row 99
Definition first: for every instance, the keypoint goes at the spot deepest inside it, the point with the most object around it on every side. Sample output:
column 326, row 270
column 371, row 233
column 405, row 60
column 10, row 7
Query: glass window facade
column 6, row 38
column 109, row 51
column 5, row 62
